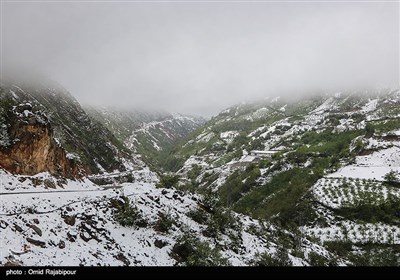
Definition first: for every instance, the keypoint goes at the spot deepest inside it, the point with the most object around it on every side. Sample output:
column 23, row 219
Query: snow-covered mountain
column 325, row 165
column 149, row 134
column 38, row 118
column 82, row 226
column 277, row 127
column 312, row 181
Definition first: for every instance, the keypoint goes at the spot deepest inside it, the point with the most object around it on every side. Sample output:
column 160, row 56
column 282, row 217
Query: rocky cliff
column 54, row 127
column 32, row 148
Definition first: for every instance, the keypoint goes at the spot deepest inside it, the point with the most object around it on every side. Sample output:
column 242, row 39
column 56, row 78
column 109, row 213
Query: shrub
column 341, row 248
column 376, row 255
column 164, row 222
column 168, row 181
column 191, row 251
column 126, row 213
column 220, row 221
column 198, row 215
column 279, row 258
column 371, row 212
column 316, row 260
column 369, row 130
column 171, row 162
column 210, row 201
column 392, row 177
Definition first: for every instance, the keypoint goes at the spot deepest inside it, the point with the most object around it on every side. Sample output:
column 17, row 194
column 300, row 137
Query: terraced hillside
column 325, row 166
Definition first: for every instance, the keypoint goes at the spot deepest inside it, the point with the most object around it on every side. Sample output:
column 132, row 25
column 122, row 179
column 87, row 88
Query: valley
column 193, row 133
column 279, row 182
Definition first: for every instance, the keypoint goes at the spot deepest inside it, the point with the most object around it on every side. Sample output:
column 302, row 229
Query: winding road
column 102, row 188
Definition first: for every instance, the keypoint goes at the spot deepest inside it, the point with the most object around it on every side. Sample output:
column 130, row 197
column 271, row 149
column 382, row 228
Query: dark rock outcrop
column 36, row 229
column 70, row 220
column 33, row 148
column 36, row 242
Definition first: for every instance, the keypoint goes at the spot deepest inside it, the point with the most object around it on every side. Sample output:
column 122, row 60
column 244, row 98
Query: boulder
column 49, row 184
column 70, row 220
column 36, row 242
column 122, row 258
column 36, row 229
column 71, row 235
column 160, row 243
column 3, row 224
column 85, row 236
column 18, row 228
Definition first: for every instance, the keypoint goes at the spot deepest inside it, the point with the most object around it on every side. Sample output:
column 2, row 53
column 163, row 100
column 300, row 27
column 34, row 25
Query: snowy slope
column 78, row 227
column 145, row 132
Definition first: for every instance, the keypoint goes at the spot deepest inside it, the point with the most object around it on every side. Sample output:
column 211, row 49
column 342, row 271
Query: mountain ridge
column 312, row 181
column 68, row 120
column 146, row 133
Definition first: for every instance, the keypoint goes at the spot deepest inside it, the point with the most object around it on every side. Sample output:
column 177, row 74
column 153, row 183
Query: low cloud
column 199, row 58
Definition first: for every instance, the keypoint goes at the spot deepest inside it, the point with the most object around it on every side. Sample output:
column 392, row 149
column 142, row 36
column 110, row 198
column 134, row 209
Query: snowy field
column 374, row 166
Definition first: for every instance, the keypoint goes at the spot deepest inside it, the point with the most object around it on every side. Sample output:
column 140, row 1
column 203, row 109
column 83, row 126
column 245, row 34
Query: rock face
column 27, row 136
column 33, row 148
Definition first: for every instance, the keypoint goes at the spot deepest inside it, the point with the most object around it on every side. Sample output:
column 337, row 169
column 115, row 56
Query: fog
column 201, row 57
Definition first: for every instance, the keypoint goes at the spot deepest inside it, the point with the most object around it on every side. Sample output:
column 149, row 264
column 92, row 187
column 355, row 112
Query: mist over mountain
column 197, row 133
column 321, row 170
column 199, row 58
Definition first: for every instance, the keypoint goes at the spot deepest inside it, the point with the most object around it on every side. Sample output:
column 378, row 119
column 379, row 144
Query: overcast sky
column 200, row 58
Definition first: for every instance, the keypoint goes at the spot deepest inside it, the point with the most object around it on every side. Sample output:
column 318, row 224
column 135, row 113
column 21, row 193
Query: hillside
column 47, row 105
column 312, row 181
column 136, row 224
column 326, row 166
column 149, row 134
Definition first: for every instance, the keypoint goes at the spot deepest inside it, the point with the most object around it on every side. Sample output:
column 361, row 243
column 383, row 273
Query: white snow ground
column 95, row 238
column 374, row 166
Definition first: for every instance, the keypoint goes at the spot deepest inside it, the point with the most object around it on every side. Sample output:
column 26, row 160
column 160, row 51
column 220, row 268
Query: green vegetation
column 209, row 178
column 370, row 212
column 286, row 199
column 127, row 214
column 164, row 222
column 341, row 248
column 316, row 259
column 238, row 184
column 376, row 255
column 326, row 143
column 5, row 105
column 286, row 193
column 220, row 222
column 384, row 126
column 369, row 130
column 278, row 196
column 367, row 254
column 279, row 258
column 194, row 172
column 173, row 158
column 392, row 178
column 198, row 215
column 210, row 201
column 191, row 251
column 168, row 181
column 218, row 219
